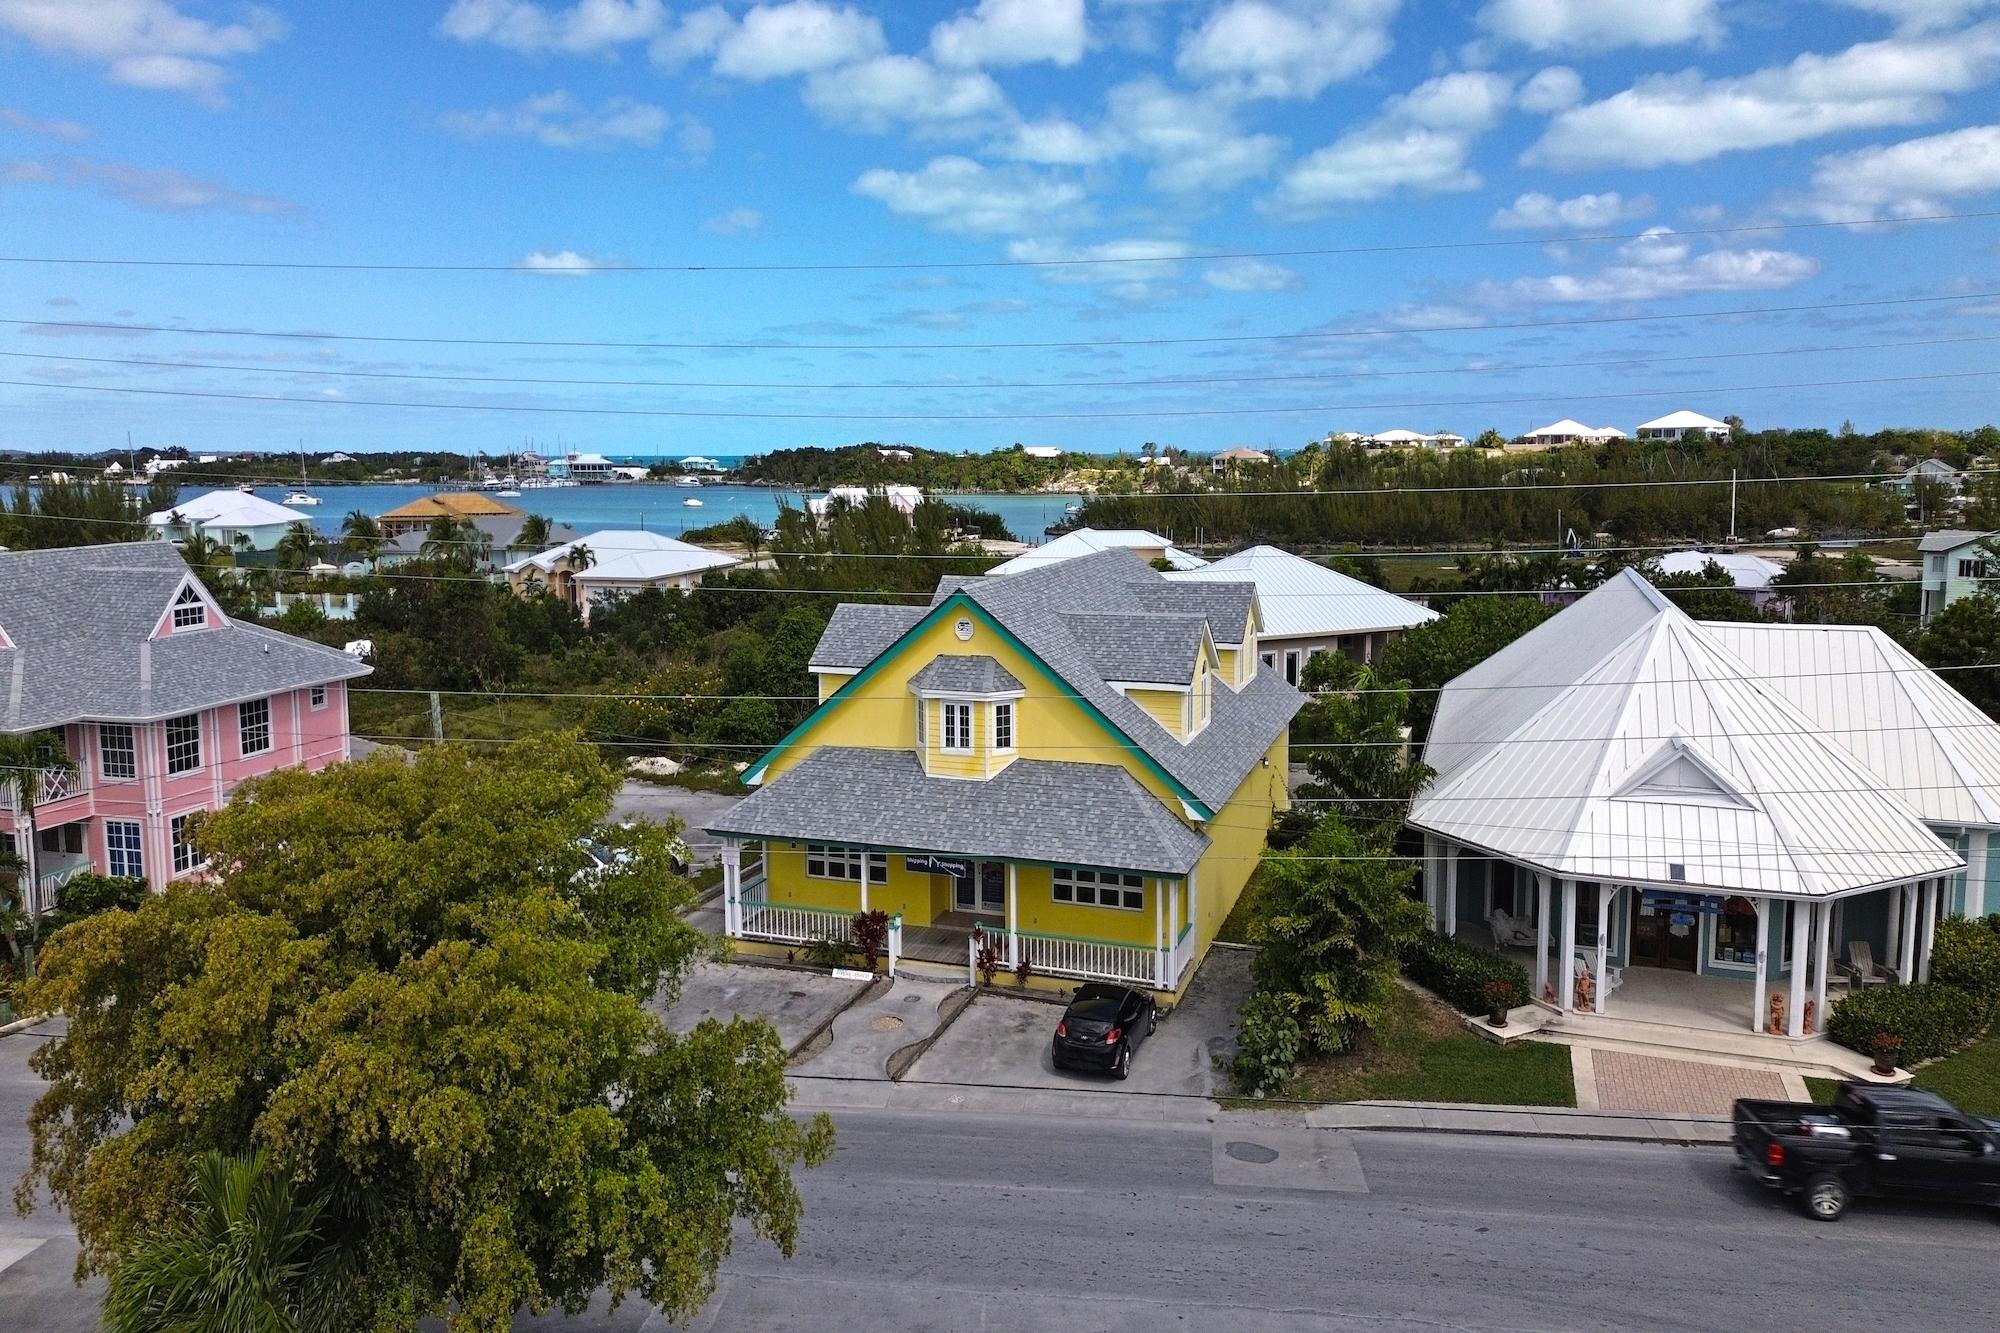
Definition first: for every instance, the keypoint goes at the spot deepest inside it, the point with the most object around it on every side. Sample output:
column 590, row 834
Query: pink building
column 164, row 704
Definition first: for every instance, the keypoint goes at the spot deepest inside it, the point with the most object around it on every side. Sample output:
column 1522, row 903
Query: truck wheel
column 1825, row 1198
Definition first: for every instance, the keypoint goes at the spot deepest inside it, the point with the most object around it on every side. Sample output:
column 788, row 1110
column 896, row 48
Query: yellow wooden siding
column 1035, row 895
column 829, row 681
column 943, row 763
column 1168, row 708
column 1236, row 839
column 1204, row 683
column 1231, row 662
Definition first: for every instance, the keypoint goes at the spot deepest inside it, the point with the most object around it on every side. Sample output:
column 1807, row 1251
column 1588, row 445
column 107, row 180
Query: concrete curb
column 900, row 1060
column 22, row 1024
column 825, row 1025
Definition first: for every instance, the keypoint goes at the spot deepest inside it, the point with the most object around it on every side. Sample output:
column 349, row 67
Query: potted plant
column 1888, row 1048
column 1500, row 998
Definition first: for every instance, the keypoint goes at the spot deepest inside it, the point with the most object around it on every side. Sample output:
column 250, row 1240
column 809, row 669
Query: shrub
column 828, row 950
column 1459, row 973
column 871, row 936
column 988, row 959
column 1269, row 1046
column 1932, row 1018
column 88, row 894
column 1966, row 954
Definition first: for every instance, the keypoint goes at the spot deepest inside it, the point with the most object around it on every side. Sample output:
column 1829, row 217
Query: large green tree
column 1354, row 740
column 1471, row 630
column 408, row 985
column 1964, row 638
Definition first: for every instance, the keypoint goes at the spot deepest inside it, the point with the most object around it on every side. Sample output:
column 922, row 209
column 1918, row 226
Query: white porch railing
column 53, row 784
column 788, row 923
column 1075, row 956
column 47, row 886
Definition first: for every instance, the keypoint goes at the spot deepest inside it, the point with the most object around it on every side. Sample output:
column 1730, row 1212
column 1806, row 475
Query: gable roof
column 456, row 504
column 81, row 623
column 226, row 509
column 503, row 531
column 1745, row 571
column 1159, row 649
column 965, row 673
column 1683, row 420
column 629, row 556
column 1950, row 539
column 858, row 632
column 1089, row 541
column 1550, row 753
column 1043, row 612
column 1298, row 597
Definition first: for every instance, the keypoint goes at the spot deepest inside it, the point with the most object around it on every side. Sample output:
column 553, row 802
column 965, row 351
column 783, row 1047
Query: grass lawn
column 1821, row 1090
column 1235, row 928
column 1969, row 1080
column 403, row 718
column 1422, row 1053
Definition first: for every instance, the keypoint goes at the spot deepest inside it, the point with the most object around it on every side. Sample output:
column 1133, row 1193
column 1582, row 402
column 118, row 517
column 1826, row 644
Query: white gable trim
column 164, row 626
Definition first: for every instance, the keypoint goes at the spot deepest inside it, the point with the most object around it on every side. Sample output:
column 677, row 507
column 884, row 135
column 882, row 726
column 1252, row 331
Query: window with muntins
column 1099, row 888
column 185, row 858
column 318, row 696
column 117, row 756
column 825, row 861
column 1003, row 726
column 189, row 610
column 922, row 707
column 957, row 726
column 253, row 726
column 184, row 743
column 121, row 845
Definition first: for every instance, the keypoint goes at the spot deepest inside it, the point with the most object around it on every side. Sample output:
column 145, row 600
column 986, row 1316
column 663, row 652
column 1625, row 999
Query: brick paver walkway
column 1628, row 1082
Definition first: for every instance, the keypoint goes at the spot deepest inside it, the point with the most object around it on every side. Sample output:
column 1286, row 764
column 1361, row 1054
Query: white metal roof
column 1400, row 436
column 1568, row 427
column 1089, row 541
column 227, row 509
column 1683, row 421
column 1897, row 716
column 1745, row 571
column 622, row 555
column 905, row 498
column 1300, row 599
column 1620, row 741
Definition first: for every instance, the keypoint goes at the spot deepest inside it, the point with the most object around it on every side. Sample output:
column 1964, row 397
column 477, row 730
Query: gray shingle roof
column 80, row 621
column 975, row 673
column 503, row 530
column 1950, row 539
column 859, row 631
column 1032, row 810
column 1135, row 649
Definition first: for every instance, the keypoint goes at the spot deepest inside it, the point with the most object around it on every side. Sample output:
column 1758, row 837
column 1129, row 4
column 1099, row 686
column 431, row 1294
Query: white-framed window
column 184, row 743
column 923, row 707
column 117, row 754
column 1003, row 726
column 1291, row 666
column 253, row 726
column 1972, row 569
column 185, row 856
column 826, row 861
column 1099, row 888
column 122, row 849
column 317, row 697
column 957, row 726
column 190, row 612
column 1269, row 659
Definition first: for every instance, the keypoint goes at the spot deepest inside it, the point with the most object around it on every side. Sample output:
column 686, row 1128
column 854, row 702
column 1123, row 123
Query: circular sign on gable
column 964, row 628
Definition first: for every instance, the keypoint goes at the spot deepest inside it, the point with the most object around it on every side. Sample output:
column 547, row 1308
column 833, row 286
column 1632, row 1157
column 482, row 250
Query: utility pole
column 437, row 718
column 1732, row 506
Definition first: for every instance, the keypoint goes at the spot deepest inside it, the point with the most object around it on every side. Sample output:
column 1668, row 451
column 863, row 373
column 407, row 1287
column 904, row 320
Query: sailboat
column 301, row 497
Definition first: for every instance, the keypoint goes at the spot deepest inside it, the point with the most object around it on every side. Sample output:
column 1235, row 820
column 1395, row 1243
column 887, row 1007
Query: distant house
column 1396, row 439
column 1236, row 455
column 163, row 703
column 905, row 498
column 586, row 468
column 1558, row 433
column 224, row 517
column 1309, row 609
column 1044, row 451
column 418, row 514
column 700, row 463
column 1750, row 574
column 620, row 561
column 1956, row 564
column 156, row 465
column 1148, row 546
column 502, row 535
column 630, row 472
column 895, row 455
column 1935, row 471
column 336, row 458
column 1680, row 425
column 114, row 468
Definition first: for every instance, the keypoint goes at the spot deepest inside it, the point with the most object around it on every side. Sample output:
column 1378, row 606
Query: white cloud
column 1657, row 266
column 1675, row 119
column 1556, row 88
column 559, row 120
column 1908, row 179
column 1193, row 143
column 1134, row 269
column 883, row 91
column 1923, row 15
column 698, row 33
column 1533, row 212
column 736, row 222
column 957, row 194
column 1600, row 25
column 564, row 263
column 1286, row 48
column 1012, row 32
column 67, row 130
column 1420, row 144
column 151, row 188
column 144, row 43
column 587, row 27
column 1251, row 275
column 1056, row 141
column 797, row 37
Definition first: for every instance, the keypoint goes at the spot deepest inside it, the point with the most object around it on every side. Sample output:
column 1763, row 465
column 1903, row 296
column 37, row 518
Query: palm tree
column 534, row 534
column 457, row 541
column 298, row 547
column 361, row 537
column 245, row 1256
column 23, row 761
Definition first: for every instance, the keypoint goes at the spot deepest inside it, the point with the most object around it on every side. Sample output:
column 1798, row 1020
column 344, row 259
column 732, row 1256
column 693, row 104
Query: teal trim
column 960, row 601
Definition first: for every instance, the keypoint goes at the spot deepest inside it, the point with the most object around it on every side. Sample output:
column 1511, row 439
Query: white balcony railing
column 1075, row 956
column 52, row 784
column 48, row 885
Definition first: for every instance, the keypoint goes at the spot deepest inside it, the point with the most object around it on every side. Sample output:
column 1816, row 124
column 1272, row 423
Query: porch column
column 1013, row 920
column 1906, row 955
column 1567, row 943
column 1194, row 895
column 732, row 888
column 1934, row 892
column 1822, row 960
column 1978, row 891
column 864, row 878
column 1795, row 1010
column 1603, row 944
column 1451, row 890
column 1757, row 996
column 1544, row 926
column 1159, row 921
column 1893, row 950
column 1433, row 882
column 1173, row 896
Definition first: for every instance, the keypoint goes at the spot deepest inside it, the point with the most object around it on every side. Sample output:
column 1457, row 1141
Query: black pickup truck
column 1899, row 1142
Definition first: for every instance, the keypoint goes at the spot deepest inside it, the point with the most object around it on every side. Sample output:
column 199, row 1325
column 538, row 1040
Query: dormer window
column 968, row 715
column 1003, row 726
column 190, row 612
column 957, row 727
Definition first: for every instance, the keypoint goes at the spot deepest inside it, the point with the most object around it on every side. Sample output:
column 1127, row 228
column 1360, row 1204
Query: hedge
column 1966, row 954
column 1931, row 1017
column 1458, row 973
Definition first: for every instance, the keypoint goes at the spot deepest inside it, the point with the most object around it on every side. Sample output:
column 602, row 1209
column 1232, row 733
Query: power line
column 685, row 413
column 880, row 266
column 1320, row 334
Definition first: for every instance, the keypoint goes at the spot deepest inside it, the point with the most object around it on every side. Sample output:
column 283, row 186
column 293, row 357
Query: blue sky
column 1452, row 150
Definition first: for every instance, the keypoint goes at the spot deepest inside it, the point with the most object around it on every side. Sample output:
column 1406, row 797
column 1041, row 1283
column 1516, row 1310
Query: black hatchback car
column 1102, row 1026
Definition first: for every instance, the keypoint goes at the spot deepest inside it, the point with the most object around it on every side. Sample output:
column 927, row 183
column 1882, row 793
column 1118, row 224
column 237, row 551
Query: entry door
column 985, row 890
column 1664, row 939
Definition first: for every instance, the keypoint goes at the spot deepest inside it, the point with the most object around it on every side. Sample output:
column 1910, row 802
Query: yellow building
column 1081, row 761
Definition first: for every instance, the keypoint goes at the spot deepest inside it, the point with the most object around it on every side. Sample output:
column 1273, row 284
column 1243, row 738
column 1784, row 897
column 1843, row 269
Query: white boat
column 508, row 495
column 247, row 488
column 299, row 499
column 692, row 503
column 687, row 481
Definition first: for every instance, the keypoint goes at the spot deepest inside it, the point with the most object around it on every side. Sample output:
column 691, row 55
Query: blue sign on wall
column 1682, row 904
column 937, row 865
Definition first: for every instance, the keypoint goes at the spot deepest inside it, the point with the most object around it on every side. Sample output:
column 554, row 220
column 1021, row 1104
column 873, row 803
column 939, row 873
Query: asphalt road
column 947, row 1220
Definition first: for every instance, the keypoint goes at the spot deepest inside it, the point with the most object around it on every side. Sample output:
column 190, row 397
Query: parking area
column 1004, row 1042
column 794, row 1002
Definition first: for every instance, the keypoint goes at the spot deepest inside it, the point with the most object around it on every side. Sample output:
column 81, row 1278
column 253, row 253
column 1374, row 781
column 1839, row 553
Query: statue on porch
column 1549, row 993
column 1811, row 1017
column 1586, row 990
column 1776, row 1024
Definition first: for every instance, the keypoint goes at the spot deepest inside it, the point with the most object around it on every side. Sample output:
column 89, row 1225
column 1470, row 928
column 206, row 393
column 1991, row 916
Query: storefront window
column 1736, row 933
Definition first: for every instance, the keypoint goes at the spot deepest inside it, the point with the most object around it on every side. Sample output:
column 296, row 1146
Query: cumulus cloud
column 144, row 43
column 1532, row 212
column 1909, row 179
column 1601, row 25
column 1923, row 15
column 1056, row 141
column 154, row 189
column 67, row 130
column 881, row 92
column 1193, row 143
column 1676, row 119
column 957, row 194
column 564, row 263
column 1556, row 88
column 1134, row 270
column 1286, row 48
column 560, row 120
column 1251, row 275
column 1012, row 32
column 587, row 27
column 798, row 37
column 1419, row 144
column 1656, row 266
column 736, row 222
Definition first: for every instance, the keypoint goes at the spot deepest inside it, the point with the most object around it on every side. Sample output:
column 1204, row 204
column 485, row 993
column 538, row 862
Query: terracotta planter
column 1498, row 1018
column 1885, row 1061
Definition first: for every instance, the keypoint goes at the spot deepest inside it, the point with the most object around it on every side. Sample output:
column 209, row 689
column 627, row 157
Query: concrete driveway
column 1004, row 1042
column 795, row 1002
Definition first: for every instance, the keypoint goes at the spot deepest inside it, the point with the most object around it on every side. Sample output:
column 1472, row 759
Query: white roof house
column 1149, row 546
column 622, row 560
column 905, row 498
column 1041, row 451
column 1568, row 431
column 221, row 515
column 1679, row 425
column 1308, row 606
column 1398, row 439
column 1750, row 573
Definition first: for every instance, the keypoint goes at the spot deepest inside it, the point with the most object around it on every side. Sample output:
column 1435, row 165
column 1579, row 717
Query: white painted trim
column 1763, row 965
column 1604, row 892
column 1566, row 1000
column 1795, row 1011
